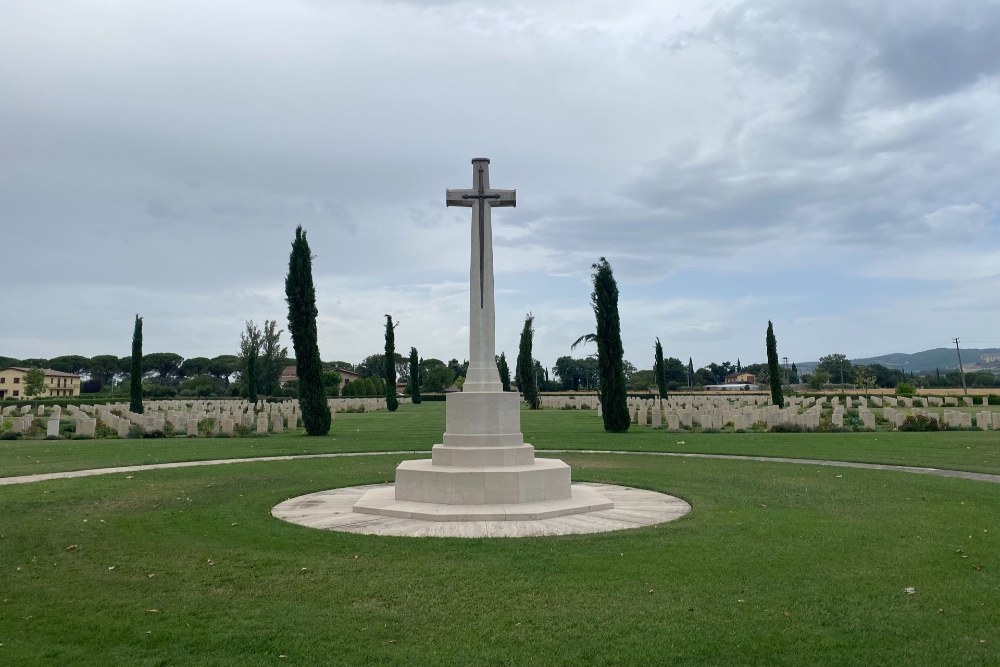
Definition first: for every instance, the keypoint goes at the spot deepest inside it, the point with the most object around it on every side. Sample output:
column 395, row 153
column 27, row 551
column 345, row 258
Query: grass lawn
column 419, row 427
column 778, row 564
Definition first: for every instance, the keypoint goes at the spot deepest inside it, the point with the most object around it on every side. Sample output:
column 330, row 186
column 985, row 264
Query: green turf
column 419, row 427
column 832, row 549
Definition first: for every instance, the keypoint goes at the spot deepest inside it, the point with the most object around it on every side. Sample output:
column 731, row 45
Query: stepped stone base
column 475, row 457
column 382, row 501
column 422, row 481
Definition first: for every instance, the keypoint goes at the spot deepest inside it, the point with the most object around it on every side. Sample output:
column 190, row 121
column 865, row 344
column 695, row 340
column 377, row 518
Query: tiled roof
column 48, row 372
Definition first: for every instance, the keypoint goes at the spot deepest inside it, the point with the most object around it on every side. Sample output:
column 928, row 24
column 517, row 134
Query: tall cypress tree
column 610, row 353
column 659, row 372
column 504, row 371
column 301, row 297
column 391, row 401
column 135, row 382
column 414, row 376
column 773, row 370
column 525, row 364
column 690, row 372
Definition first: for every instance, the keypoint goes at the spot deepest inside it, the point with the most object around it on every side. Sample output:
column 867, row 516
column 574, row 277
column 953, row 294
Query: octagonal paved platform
column 334, row 509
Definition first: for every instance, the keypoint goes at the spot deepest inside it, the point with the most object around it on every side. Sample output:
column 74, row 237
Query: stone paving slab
column 333, row 509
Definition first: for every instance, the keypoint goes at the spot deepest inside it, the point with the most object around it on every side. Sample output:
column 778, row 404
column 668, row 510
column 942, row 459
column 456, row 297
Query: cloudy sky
column 831, row 166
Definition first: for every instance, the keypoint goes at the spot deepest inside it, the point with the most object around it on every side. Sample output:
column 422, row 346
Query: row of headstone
column 569, row 402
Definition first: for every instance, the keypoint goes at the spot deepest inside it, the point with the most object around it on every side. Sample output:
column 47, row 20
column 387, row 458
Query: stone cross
column 482, row 375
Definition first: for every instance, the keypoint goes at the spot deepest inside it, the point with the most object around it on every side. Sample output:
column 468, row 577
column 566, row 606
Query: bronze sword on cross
column 481, row 195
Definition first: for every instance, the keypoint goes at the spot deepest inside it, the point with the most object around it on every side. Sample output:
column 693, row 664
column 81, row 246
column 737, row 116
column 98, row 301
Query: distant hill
column 943, row 358
column 928, row 360
column 940, row 357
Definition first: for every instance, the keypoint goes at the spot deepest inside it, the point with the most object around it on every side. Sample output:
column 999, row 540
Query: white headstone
column 86, row 427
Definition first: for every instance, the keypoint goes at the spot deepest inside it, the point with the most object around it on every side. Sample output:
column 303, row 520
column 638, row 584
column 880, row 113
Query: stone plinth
column 482, row 469
column 422, row 481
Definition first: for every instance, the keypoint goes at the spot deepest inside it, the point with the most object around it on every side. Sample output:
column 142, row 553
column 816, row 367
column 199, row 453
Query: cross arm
column 469, row 197
column 455, row 197
column 503, row 197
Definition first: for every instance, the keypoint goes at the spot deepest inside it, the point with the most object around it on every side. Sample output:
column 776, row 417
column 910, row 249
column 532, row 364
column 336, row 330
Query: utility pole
column 965, row 390
column 785, row 359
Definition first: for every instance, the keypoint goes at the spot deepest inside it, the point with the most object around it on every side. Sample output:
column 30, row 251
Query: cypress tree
column 135, row 382
column 414, row 376
column 525, row 366
column 690, row 372
column 659, row 372
column 773, row 370
column 610, row 353
column 301, row 298
column 391, row 402
column 504, row 371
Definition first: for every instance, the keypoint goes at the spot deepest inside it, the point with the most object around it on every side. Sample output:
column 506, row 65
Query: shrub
column 104, row 431
column 81, row 436
column 54, row 437
column 919, row 423
column 169, row 430
column 136, row 431
column 240, row 431
column 205, row 426
column 220, row 434
column 905, row 389
column 787, row 428
column 10, row 435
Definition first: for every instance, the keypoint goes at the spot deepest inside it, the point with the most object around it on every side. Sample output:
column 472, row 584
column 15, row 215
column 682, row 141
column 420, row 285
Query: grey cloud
column 942, row 58
column 179, row 154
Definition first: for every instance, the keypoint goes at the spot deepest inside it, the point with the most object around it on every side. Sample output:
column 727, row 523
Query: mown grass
column 416, row 428
column 778, row 564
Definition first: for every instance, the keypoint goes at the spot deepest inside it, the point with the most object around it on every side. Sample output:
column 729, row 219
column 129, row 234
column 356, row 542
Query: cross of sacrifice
column 478, row 197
